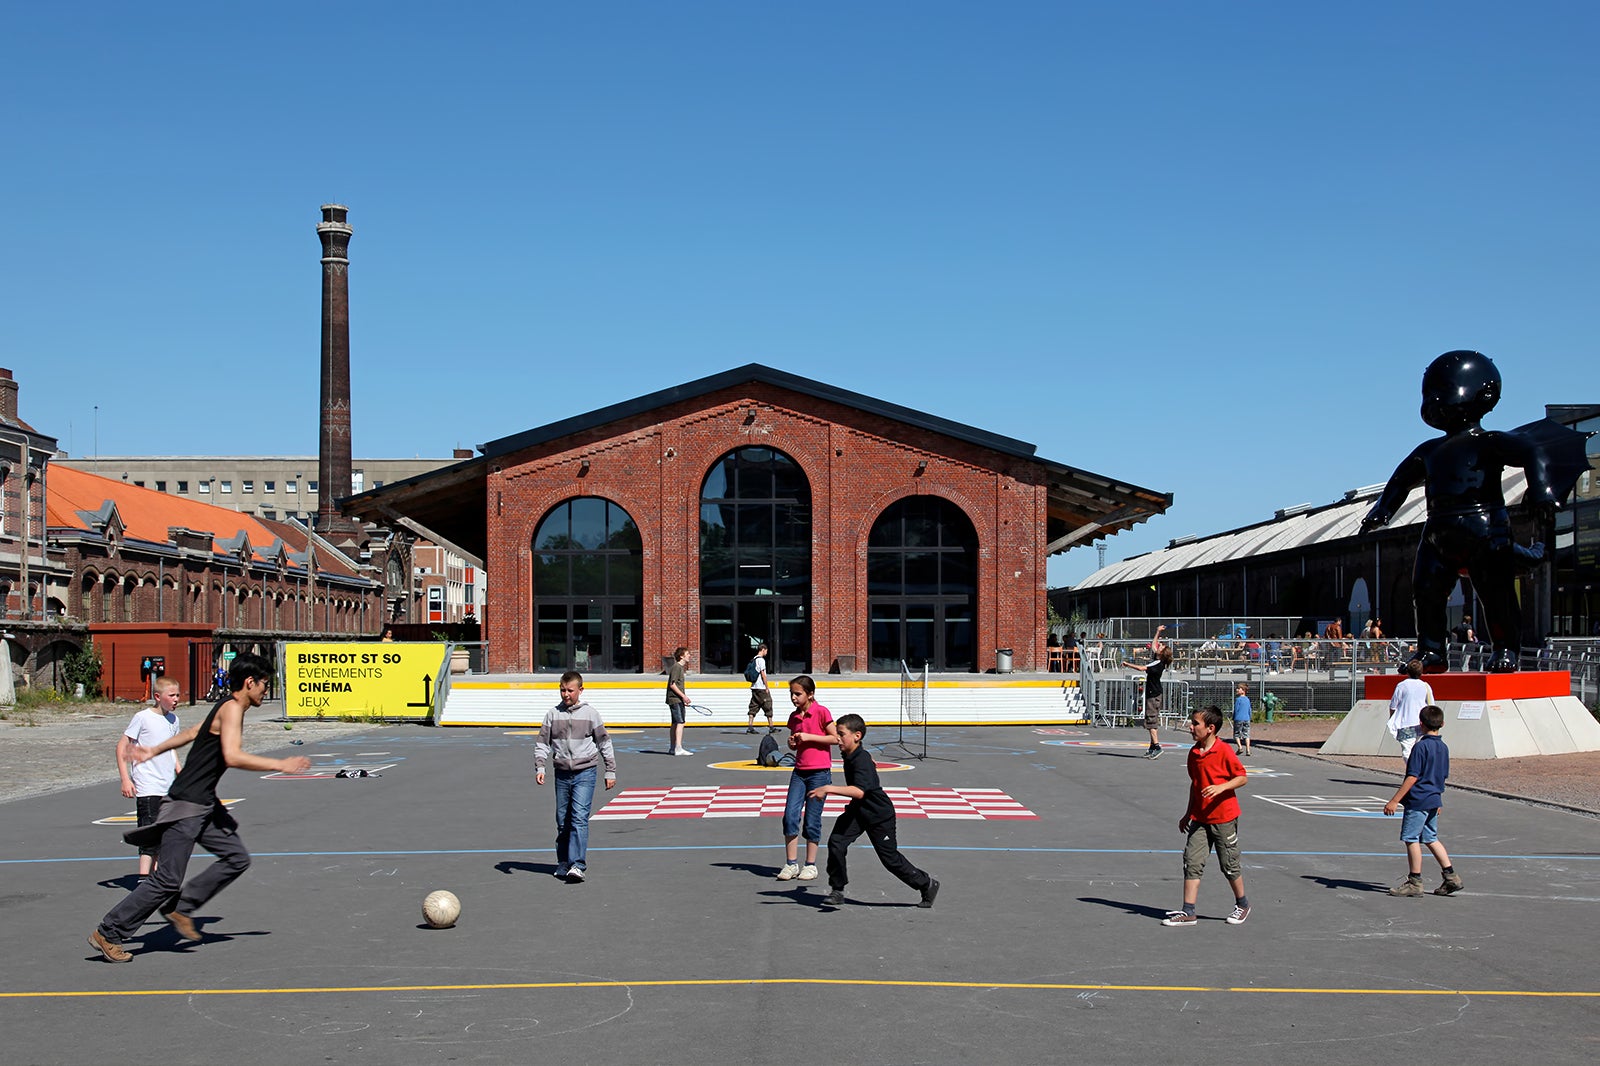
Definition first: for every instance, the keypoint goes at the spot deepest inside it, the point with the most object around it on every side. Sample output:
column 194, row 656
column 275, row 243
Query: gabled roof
column 453, row 499
column 78, row 500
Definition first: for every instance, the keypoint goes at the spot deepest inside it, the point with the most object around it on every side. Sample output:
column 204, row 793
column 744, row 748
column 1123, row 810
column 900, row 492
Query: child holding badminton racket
column 811, row 733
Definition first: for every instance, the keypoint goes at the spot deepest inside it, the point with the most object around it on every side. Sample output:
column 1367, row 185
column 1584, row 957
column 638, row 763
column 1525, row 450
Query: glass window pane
column 792, row 525
column 883, row 639
column 714, row 525
column 755, row 576
column 588, row 575
column 716, row 486
column 754, row 525
column 956, row 574
column 791, row 571
column 716, row 571
column 623, row 532
column 553, row 531
column 922, row 573
column 755, row 474
column 588, row 522
column 550, row 575
column 626, row 575
column 884, row 574
column 921, row 528
column 886, row 532
column 716, row 637
column 789, row 481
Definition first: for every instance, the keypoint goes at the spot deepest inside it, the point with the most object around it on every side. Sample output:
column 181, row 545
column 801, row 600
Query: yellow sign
column 379, row 680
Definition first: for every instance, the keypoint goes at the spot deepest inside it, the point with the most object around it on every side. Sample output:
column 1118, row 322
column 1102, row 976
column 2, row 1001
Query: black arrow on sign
column 427, row 690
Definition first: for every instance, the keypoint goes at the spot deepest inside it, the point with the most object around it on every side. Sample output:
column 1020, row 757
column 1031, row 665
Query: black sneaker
column 931, row 890
column 834, row 898
column 1155, row 753
column 751, row 730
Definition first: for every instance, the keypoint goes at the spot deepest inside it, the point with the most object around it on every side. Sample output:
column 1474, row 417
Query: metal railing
column 1299, row 676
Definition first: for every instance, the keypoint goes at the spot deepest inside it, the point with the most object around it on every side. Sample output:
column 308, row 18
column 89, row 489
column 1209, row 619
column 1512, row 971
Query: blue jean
column 1419, row 827
column 574, row 796
column 801, row 782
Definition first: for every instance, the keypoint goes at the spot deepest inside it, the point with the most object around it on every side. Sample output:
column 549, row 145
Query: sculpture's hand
column 1375, row 518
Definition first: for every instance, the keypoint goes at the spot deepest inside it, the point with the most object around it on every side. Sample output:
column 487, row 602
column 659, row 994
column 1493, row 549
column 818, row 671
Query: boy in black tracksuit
column 869, row 811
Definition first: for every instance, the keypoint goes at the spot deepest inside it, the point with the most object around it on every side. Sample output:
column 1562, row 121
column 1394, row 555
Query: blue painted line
column 1389, row 854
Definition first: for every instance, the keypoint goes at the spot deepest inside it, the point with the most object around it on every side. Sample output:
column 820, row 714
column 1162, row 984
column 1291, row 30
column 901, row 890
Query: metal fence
column 1299, row 676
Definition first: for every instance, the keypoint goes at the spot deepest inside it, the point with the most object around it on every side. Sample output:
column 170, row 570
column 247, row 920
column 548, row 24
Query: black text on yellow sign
column 381, row 680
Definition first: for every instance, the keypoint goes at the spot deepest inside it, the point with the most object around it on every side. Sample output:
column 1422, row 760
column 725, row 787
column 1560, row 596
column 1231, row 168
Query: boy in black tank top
column 192, row 815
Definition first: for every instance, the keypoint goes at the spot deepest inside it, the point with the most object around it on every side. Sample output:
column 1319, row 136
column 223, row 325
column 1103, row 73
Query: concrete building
column 275, row 487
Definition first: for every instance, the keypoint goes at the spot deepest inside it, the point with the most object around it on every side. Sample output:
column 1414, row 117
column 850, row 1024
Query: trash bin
column 1002, row 660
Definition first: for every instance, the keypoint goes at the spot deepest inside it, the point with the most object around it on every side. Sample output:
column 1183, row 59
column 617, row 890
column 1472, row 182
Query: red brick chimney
column 333, row 456
column 8, row 396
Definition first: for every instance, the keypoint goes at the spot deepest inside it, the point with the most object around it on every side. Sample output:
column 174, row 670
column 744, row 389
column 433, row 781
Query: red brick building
column 754, row 505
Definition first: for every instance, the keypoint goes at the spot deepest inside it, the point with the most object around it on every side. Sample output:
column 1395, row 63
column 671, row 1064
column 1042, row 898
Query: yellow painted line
column 514, row 986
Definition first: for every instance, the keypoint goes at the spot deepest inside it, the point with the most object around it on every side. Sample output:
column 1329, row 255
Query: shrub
column 82, row 667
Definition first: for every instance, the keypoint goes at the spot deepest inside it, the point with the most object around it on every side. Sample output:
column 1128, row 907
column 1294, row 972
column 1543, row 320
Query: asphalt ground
column 1046, row 943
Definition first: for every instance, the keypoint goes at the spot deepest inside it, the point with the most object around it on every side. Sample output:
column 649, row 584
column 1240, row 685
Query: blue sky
column 1206, row 248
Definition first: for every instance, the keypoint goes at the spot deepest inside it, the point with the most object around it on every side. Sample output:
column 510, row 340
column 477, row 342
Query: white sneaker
column 808, row 872
column 682, row 751
column 791, row 870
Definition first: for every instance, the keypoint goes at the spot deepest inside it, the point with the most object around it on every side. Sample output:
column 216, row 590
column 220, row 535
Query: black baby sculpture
column 1468, row 529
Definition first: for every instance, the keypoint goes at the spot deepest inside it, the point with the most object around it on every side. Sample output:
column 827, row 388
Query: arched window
column 922, row 586
column 588, row 589
column 755, row 562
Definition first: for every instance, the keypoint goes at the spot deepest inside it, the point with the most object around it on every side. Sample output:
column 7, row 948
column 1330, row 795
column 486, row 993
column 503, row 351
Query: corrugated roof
column 1335, row 521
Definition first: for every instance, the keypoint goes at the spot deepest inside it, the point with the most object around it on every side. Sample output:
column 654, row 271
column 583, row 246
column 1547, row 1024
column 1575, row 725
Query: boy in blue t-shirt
column 1422, row 796
column 1241, row 719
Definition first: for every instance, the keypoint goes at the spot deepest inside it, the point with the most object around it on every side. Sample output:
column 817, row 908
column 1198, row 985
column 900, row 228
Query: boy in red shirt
column 1212, row 820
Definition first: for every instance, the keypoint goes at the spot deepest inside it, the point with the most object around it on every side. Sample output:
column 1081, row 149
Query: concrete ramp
column 1487, row 716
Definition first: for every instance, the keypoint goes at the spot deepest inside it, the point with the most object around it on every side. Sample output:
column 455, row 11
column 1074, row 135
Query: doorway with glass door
column 732, row 629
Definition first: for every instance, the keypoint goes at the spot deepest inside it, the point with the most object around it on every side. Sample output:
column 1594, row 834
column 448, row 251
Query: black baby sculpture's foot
column 1433, row 663
column 1504, row 662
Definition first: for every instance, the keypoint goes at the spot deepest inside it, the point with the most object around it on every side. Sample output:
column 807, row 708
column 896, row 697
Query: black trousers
column 847, row 829
column 215, row 831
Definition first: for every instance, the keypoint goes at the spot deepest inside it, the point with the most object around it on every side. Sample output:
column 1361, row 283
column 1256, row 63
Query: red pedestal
column 1529, row 685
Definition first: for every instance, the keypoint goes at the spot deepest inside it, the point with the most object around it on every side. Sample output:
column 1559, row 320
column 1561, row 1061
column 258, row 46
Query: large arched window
column 588, row 589
column 755, row 562
column 922, row 586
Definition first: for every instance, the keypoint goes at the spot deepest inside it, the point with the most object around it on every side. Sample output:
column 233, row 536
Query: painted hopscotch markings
column 1053, row 732
column 1331, row 806
column 132, row 817
column 766, row 801
column 751, row 764
column 1252, row 770
column 1141, row 745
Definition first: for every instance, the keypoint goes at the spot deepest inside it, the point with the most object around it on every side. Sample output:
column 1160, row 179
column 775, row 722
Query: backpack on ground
column 770, row 753
column 751, row 673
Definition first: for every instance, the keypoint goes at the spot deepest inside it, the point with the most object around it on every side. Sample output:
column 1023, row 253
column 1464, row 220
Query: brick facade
column 653, row 464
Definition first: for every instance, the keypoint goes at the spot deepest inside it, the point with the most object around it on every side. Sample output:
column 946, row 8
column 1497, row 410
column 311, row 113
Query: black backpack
column 751, row 674
column 770, row 754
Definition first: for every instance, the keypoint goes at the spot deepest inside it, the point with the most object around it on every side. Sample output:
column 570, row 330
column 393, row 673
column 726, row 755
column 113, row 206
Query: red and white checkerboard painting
column 766, row 801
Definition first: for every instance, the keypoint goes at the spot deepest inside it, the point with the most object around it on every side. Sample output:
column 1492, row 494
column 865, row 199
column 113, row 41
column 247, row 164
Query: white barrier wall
column 522, row 700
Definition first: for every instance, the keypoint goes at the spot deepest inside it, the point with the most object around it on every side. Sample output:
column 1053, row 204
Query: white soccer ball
column 441, row 909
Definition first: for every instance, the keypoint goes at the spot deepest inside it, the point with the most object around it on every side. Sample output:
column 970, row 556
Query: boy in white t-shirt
column 146, row 783
column 1405, row 707
column 760, row 694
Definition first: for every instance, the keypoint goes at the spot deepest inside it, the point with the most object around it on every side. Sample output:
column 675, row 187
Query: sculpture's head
column 1458, row 388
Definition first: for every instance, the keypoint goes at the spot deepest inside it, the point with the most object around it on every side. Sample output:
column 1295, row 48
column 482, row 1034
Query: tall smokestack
column 333, row 455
